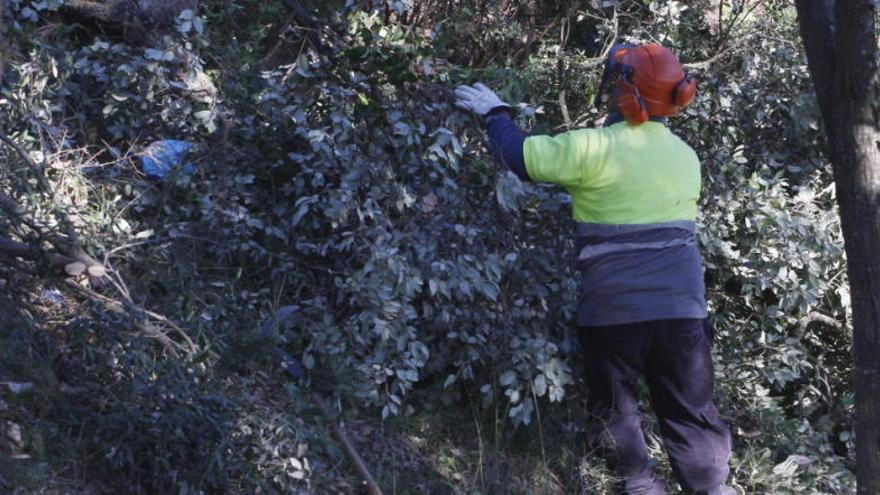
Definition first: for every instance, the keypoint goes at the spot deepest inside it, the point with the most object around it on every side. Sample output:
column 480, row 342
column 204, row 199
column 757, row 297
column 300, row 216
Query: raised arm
column 506, row 139
column 563, row 159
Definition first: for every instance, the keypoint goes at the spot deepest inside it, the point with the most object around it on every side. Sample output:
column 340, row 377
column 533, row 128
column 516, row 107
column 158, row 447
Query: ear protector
column 684, row 91
column 629, row 101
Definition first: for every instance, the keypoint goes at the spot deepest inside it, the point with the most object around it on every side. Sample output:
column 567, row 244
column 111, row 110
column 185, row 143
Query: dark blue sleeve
column 506, row 141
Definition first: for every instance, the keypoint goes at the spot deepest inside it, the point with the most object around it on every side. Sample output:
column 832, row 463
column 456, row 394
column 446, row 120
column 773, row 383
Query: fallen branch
column 69, row 252
column 143, row 325
column 17, row 249
column 348, row 447
column 815, row 317
column 37, row 169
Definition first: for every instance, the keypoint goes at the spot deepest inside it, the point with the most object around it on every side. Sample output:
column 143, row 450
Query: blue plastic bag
column 161, row 157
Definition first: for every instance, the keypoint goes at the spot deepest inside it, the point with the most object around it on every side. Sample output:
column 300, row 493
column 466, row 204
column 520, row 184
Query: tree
column 840, row 39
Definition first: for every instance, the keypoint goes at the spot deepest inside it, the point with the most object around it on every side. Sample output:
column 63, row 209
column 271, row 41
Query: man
column 634, row 187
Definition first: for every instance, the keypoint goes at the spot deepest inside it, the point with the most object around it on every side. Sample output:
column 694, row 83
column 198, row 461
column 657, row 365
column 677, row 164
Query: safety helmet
column 651, row 82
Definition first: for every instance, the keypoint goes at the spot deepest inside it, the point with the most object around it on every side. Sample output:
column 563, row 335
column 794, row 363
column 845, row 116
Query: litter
column 161, row 157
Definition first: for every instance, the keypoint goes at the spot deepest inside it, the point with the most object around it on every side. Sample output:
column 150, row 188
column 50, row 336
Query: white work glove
column 478, row 99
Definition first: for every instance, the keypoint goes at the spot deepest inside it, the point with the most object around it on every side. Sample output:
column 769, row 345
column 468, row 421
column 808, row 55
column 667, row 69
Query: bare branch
column 37, row 169
column 17, row 249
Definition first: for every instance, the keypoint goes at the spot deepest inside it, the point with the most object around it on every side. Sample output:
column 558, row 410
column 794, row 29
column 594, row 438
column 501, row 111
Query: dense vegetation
column 335, row 198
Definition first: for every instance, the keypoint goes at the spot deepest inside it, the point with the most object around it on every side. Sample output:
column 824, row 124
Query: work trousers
column 675, row 358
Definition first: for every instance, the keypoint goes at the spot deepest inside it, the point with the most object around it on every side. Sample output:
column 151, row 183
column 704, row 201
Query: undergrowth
column 427, row 294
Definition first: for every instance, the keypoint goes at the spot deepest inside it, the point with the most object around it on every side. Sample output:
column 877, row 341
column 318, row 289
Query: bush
column 343, row 183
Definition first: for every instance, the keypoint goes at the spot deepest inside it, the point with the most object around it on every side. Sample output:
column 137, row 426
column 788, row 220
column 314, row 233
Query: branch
column 91, row 10
column 18, row 249
column 143, row 325
column 523, row 51
column 69, row 249
column 815, row 316
column 705, row 64
column 348, row 447
column 734, row 47
column 590, row 63
column 37, row 169
column 308, row 24
column 560, row 69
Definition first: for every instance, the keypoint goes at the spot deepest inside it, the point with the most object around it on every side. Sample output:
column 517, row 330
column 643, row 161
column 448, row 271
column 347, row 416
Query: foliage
column 332, row 174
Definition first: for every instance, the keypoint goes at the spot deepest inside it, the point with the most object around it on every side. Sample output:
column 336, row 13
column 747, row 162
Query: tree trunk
column 840, row 39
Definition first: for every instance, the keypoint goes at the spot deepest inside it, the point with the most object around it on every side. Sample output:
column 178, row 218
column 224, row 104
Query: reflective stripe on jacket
column 634, row 192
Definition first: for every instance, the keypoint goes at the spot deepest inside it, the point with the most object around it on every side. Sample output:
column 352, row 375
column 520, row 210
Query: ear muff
column 684, row 91
column 632, row 108
column 630, row 103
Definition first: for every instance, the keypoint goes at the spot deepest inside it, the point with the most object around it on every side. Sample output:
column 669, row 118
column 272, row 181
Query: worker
column 634, row 187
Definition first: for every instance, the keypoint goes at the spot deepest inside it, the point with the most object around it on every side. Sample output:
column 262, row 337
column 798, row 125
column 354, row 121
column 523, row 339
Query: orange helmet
column 652, row 83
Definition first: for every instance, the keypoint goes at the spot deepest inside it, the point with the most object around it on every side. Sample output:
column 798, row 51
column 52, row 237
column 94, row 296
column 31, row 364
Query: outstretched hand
column 478, row 99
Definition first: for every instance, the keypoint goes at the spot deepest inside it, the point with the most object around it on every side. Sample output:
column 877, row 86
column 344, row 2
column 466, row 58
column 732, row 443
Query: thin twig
column 37, row 169
column 130, row 245
column 145, row 327
column 560, row 68
column 705, row 64
column 174, row 326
